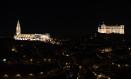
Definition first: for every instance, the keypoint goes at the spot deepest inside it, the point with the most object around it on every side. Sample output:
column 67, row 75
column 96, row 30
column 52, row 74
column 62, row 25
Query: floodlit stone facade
column 116, row 29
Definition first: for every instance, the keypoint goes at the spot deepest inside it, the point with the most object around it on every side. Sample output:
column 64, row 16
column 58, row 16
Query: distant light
column 18, row 75
column 49, row 60
column 126, row 65
column 5, row 76
column 13, row 49
column 109, row 78
column 99, row 76
column 77, row 78
column 94, row 73
column 129, row 48
column 113, row 63
column 45, row 59
column 67, row 55
column 66, row 63
column 31, row 74
column 24, row 56
column 68, row 66
column 41, row 73
column 31, row 60
column 4, row 60
column 102, row 76
column 80, row 67
column 119, row 65
column 95, row 66
column 105, row 50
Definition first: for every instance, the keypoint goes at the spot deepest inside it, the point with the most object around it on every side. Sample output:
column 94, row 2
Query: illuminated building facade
column 32, row 37
column 116, row 29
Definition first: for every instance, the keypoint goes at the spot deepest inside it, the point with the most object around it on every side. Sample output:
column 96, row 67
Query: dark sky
column 62, row 17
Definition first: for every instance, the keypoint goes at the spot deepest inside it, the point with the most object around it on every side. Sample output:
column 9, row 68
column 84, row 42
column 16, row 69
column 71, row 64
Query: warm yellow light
column 111, row 29
column 33, row 37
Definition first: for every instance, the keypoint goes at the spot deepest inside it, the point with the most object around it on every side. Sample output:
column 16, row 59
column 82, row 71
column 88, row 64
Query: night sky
column 62, row 18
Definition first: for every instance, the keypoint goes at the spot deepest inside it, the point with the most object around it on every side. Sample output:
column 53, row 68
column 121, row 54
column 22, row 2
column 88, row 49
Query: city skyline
column 65, row 40
column 69, row 19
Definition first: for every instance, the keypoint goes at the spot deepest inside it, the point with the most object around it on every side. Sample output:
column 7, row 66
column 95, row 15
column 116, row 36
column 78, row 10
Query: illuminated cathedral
column 116, row 29
column 32, row 37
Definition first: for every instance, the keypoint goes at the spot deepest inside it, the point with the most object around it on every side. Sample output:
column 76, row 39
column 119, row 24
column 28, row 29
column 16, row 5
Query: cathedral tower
column 18, row 28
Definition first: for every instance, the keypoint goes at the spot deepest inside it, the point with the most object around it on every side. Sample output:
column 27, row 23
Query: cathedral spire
column 18, row 28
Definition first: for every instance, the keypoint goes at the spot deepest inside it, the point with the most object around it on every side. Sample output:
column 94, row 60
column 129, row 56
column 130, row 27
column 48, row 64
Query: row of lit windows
column 46, row 39
column 121, row 31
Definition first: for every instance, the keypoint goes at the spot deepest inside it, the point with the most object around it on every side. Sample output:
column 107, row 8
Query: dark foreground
column 89, row 57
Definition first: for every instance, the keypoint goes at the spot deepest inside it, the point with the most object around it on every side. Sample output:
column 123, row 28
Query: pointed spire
column 18, row 22
column 18, row 28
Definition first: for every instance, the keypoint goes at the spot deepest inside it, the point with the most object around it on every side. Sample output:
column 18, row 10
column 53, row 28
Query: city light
column 126, row 65
column 49, row 60
column 5, row 76
column 129, row 48
column 102, row 76
column 31, row 60
column 4, row 60
column 41, row 73
column 95, row 66
column 105, row 50
column 31, row 74
column 18, row 75
column 80, row 67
